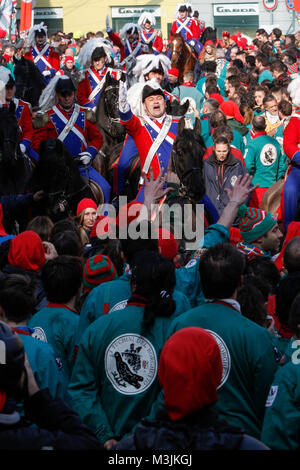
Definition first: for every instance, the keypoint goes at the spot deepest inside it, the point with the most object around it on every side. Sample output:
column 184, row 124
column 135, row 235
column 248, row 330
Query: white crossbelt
column 163, row 134
column 98, row 87
column 41, row 56
column 184, row 25
column 147, row 40
column 69, row 124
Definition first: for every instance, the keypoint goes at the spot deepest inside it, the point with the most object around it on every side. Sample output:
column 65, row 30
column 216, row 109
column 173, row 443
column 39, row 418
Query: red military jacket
column 83, row 135
column 291, row 135
column 45, row 58
column 92, row 80
column 152, row 36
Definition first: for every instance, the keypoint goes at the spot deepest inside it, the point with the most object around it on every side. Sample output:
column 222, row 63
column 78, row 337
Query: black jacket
column 58, row 427
column 200, row 431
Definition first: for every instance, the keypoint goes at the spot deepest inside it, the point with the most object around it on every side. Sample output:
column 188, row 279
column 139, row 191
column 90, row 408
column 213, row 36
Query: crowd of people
column 140, row 342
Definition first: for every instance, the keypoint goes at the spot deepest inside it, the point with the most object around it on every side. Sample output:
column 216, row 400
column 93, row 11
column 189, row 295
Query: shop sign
column 236, row 9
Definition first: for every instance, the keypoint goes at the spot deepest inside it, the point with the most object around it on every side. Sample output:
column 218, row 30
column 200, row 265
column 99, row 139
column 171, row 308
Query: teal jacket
column 57, row 325
column 195, row 97
column 264, row 160
column 249, row 362
column 281, row 426
column 113, row 295
column 46, row 365
column 114, row 381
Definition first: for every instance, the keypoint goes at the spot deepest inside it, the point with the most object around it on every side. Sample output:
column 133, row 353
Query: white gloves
column 123, row 104
column 22, row 148
column 85, row 158
column 108, row 28
column 46, row 73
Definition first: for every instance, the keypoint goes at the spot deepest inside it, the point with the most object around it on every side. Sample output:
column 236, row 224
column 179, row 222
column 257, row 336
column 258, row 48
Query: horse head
column 9, row 137
column 186, row 161
column 175, row 108
column 29, row 81
column 107, row 111
column 177, row 47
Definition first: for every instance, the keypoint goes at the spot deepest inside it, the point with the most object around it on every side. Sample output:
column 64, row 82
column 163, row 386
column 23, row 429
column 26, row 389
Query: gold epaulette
column 41, row 119
column 91, row 116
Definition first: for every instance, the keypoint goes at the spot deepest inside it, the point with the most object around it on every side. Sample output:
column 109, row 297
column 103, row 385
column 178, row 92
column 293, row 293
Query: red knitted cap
column 190, row 371
column 167, row 243
column 174, row 72
column 26, row 251
column 231, row 109
column 69, row 57
column 86, row 204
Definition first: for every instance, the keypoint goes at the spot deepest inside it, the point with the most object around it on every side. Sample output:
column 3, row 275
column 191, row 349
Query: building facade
column 234, row 15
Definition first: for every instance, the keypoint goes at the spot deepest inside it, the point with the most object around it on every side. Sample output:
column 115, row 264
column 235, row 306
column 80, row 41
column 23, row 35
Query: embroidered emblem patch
column 225, row 356
column 130, row 364
column 39, row 334
column 272, row 395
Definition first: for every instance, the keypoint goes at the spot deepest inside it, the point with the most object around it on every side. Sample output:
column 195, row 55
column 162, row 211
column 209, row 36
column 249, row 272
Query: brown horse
column 182, row 57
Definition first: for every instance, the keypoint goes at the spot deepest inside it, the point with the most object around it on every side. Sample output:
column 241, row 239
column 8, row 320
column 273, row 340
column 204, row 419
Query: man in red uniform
column 150, row 36
column 41, row 53
column 187, row 27
column 71, row 124
column 22, row 112
column 96, row 58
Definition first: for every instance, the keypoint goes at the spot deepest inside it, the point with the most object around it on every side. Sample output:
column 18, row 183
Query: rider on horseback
column 187, row 28
column 41, row 53
column 73, row 125
column 96, row 58
column 22, row 112
column 150, row 36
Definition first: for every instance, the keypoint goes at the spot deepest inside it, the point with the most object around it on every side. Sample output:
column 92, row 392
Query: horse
column 57, row 174
column 182, row 57
column 186, row 167
column 209, row 34
column 29, row 81
column 15, row 168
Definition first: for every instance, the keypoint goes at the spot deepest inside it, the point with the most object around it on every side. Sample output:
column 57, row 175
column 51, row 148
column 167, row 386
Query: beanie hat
column 226, row 34
column 234, row 38
column 254, row 223
column 231, row 109
column 69, row 58
column 167, row 243
column 86, row 204
column 26, row 251
column 190, row 371
column 174, row 72
column 98, row 269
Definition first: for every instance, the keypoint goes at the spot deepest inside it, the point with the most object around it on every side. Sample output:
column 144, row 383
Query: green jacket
column 264, row 160
column 57, row 325
column 114, row 381
column 249, row 362
column 195, row 97
column 281, row 426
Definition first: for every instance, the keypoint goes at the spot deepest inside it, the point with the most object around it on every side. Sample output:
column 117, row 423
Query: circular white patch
column 192, row 103
column 130, row 364
column 191, row 263
column 233, row 180
column 225, row 356
column 39, row 334
column 119, row 306
column 268, row 155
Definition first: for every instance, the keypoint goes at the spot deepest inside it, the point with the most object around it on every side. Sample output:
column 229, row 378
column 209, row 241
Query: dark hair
column 266, row 269
column 17, row 297
column 217, row 119
column 277, row 33
column 234, row 81
column 286, row 291
column 294, row 317
column 209, row 66
column 42, row 225
column 64, row 225
column 223, row 131
column 291, row 255
column 221, row 268
column 252, row 303
column 285, row 107
column 263, row 59
column 238, row 63
column 250, row 60
column 62, row 278
column 212, row 89
column 130, row 247
column 67, row 243
column 278, row 66
column 154, row 279
column 269, row 98
column 259, row 123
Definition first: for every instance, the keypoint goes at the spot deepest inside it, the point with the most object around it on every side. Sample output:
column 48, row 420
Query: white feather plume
column 85, row 55
column 294, row 91
column 33, row 30
column 146, row 15
column 4, row 74
column 135, row 93
column 48, row 97
column 127, row 27
column 147, row 62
